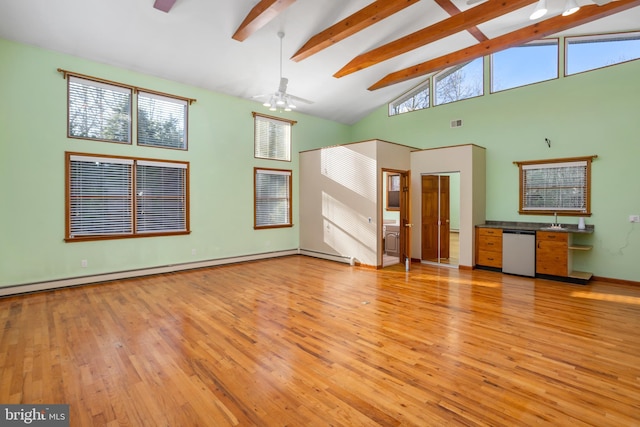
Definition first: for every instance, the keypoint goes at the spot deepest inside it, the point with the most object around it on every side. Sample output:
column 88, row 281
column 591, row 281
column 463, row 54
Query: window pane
column 99, row 197
column 162, row 121
column 461, row 82
column 416, row 99
column 99, row 111
column 272, row 139
column 160, row 197
column 592, row 52
column 272, row 198
column 523, row 65
column 555, row 187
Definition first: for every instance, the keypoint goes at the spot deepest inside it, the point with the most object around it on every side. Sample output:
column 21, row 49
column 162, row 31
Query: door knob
column 408, row 225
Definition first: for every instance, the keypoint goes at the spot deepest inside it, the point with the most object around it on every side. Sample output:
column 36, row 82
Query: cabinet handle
column 490, row 259
column 538, row 245
column 489, row 244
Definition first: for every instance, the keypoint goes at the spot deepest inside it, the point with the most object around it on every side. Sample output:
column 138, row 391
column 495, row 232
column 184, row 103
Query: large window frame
column 273, row 201
column 114, row 197
column 555, row 186
column 418, row 98
column 524, row 71
column 103, row 110
column 272, row 137
column 458, row 90
column 594, row 40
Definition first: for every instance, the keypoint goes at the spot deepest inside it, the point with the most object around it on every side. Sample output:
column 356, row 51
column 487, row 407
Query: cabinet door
column 489, row 247
column 552, row 253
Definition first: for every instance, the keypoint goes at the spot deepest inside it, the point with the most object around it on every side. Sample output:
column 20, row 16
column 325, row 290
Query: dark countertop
column 536, row 226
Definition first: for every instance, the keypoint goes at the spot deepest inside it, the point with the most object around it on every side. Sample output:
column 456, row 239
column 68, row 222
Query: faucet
column 555, row 219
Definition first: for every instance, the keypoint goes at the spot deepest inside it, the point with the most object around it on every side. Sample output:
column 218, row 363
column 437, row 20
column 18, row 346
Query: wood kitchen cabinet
column 489, row 247
column 554, row 252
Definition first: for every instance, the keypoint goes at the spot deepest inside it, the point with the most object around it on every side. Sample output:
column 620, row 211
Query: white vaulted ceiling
column 193, row 43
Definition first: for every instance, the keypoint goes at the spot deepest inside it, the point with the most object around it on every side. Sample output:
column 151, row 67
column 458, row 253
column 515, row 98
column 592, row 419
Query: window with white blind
column 272, row 190
column 98, row 110
column 114, row 197
column 162, row 121
column 560, row 186
column 272, row 137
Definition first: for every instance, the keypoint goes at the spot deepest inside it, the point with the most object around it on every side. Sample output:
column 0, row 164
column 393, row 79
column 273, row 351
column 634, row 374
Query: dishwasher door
column 519, row 252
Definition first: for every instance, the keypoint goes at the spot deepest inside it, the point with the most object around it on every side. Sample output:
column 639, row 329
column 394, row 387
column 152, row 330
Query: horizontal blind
column 162, row 121
column 99, row 110
column 161, row 197
column 555, row 186
column 100, row 201
column 272, row 139
column 273, row 197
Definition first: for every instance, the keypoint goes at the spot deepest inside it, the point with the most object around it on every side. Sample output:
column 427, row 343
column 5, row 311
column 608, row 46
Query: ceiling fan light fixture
column 540, row 10
column 570, row 8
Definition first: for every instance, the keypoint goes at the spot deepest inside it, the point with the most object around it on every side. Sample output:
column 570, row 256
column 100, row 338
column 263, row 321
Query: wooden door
column 445, row 217
column 435, row 217
column 405, row 219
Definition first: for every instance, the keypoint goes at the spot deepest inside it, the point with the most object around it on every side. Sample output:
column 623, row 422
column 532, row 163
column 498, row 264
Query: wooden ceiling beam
column 164, row 5
column 453, row 10
column 460, row 22
column 533, row 32
column 259, row 16
column 365, row 17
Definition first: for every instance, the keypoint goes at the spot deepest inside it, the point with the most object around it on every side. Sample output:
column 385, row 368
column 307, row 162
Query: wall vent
column 456, row 123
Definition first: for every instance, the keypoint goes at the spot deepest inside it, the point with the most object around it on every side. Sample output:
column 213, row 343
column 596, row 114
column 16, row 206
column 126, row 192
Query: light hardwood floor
column 299, row 341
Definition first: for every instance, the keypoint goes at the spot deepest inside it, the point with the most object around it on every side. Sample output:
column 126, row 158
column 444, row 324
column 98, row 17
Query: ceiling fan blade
column 297, row 98
column 263, row 95
column 471, row 2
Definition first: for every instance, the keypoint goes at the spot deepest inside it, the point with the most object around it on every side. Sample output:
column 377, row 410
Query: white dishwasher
column 519, row 252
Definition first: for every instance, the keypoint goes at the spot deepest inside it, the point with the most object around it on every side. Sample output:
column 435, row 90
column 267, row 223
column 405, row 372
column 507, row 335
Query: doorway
column 440, row 214
column 395, row 218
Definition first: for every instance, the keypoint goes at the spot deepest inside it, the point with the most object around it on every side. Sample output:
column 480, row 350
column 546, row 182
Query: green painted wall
column 592, row 113
column 32, row 185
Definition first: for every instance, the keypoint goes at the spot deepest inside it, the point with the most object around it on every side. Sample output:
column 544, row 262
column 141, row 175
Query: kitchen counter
column 536, row 226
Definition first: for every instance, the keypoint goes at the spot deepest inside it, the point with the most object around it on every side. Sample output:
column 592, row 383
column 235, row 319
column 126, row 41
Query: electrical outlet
column 84, row 263
column 634, row 218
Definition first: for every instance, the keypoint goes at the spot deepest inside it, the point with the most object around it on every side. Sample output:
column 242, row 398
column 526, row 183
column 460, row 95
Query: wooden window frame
column 257, row 116
column 586, row 211
column 390, row 178
column 134, row 233
column 289, row 172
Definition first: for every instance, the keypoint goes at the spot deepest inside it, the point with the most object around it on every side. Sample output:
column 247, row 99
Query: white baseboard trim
column 106, row 277
column 324, row 255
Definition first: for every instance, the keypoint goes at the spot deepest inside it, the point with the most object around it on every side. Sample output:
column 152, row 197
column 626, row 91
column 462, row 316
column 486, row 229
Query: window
column 415, row 99
column 592, row 52
column 162, row 121
column 272, row 198
column 523, row 65
column 272, row 137
column 393, row 192
column 101, row 202
column 558, row 185
column 99, row 111
column 459, row 82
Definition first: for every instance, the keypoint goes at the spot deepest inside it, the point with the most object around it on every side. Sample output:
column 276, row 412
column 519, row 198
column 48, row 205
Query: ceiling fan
column 280, row 99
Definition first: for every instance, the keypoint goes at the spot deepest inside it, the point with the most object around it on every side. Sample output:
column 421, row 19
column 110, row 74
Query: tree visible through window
column 459, row 82
column 99, row 111
column 415, row 99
